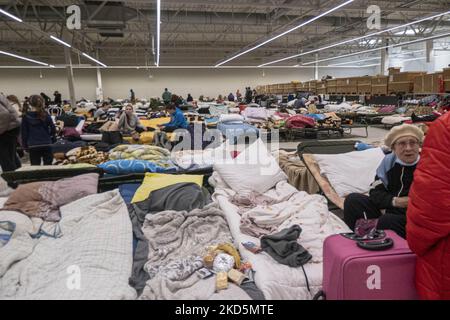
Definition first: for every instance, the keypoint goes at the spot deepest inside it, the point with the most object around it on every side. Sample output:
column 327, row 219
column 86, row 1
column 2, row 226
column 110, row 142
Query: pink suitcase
column 352, row 273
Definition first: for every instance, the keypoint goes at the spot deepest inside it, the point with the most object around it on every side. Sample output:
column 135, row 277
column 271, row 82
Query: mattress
column 277, row 281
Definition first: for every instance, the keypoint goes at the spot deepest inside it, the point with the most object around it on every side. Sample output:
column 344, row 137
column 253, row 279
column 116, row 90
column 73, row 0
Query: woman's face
column 129, row 110
column 407, row 149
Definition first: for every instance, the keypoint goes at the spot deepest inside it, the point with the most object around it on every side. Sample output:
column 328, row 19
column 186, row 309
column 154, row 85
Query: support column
column 384, row 63
column 316, row 68
column 99, row 91
column 73, row 100
column 429, row 48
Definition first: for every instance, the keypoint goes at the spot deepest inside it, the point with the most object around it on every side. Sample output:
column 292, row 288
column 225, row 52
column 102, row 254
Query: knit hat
column 404, row 130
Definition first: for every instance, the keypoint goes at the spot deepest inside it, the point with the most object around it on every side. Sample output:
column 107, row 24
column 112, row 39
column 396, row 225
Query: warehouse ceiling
column 208, row 32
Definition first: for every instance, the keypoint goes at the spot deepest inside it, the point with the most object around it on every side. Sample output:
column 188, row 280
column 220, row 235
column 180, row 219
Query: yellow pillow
column 156, row 181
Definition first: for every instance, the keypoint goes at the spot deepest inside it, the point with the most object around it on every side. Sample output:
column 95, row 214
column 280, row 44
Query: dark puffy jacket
column 392, row 180
column 428, row 217
column 37, row 132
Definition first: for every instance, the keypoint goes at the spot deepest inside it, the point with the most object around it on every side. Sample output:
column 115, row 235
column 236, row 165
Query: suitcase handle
column 376, row 245
column 319, row 295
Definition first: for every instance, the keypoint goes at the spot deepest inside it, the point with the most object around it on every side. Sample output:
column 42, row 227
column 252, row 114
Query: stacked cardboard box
column 380, row 85
column 312, row 86
column 331, row 86
column 393, row 70
column 446, row 74
column 403, row 82
column 419, row 83
column 364, row 85
column 428, row 83
column 321, row 87
column 347, row 85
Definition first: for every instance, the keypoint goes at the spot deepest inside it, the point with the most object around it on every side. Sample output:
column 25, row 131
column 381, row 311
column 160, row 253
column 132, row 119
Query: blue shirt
column 177, row 120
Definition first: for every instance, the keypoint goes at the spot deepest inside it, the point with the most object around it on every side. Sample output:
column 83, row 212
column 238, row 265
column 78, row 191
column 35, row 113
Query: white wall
column 118, row 82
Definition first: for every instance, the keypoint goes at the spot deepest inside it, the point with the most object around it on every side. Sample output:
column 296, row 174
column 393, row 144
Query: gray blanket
column 178, row 197
column 177, row 242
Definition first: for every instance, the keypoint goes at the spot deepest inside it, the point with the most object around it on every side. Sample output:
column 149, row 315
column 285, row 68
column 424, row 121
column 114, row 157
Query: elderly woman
column 129, row 122
column 389, row 192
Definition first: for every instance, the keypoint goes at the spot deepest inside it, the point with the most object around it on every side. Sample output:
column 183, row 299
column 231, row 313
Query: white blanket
column 395, row 119
column 95, row 248
column 275, row 280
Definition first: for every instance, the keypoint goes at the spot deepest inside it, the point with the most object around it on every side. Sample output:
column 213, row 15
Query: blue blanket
column 233, row 131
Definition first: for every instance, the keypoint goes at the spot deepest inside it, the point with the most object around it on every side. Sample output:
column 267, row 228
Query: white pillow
column 254, row 169
column 350, row 172
column 231, row 118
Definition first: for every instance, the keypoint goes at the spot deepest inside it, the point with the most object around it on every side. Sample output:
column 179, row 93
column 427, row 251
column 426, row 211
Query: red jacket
column 428, row 215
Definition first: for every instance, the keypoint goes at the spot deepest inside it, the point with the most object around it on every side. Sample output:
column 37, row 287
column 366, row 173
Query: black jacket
column 37, row 132
column 392, row 180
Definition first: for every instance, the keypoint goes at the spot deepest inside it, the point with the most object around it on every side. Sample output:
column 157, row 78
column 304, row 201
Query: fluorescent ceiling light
column 423, row 58
column 356, row 39
column 379, row 48
column 370, row 65
column 10, row 15
column 60, row 41
column 285, row 32
column 95, row 60
column 23, row 58
column 350, row 62
column 158, row 30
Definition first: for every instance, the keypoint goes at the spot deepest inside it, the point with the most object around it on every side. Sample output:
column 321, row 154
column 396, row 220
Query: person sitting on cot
column 177, row 119
column 388, row 196
column 129, row 122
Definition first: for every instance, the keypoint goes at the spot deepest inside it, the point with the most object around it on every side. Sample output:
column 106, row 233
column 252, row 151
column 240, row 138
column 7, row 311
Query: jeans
column 41, row 153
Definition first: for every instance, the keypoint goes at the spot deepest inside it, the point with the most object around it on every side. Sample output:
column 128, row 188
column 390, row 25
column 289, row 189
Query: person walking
column 38, row 132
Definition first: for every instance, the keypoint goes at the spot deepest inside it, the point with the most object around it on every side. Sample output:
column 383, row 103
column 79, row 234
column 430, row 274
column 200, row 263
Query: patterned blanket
column 91, row 259
column 177, row 241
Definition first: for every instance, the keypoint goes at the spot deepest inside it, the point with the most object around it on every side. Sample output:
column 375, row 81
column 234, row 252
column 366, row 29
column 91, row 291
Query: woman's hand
column 401, row 202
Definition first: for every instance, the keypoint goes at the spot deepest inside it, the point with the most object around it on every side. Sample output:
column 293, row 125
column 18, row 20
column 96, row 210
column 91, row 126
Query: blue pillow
column 361, row 146
column 134, row 166
column 316, row 116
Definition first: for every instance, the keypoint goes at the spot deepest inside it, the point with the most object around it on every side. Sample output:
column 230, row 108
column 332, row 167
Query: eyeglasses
column 404, row 144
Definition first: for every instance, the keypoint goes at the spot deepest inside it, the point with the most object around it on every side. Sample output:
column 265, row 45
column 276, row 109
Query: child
column 38, row 132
